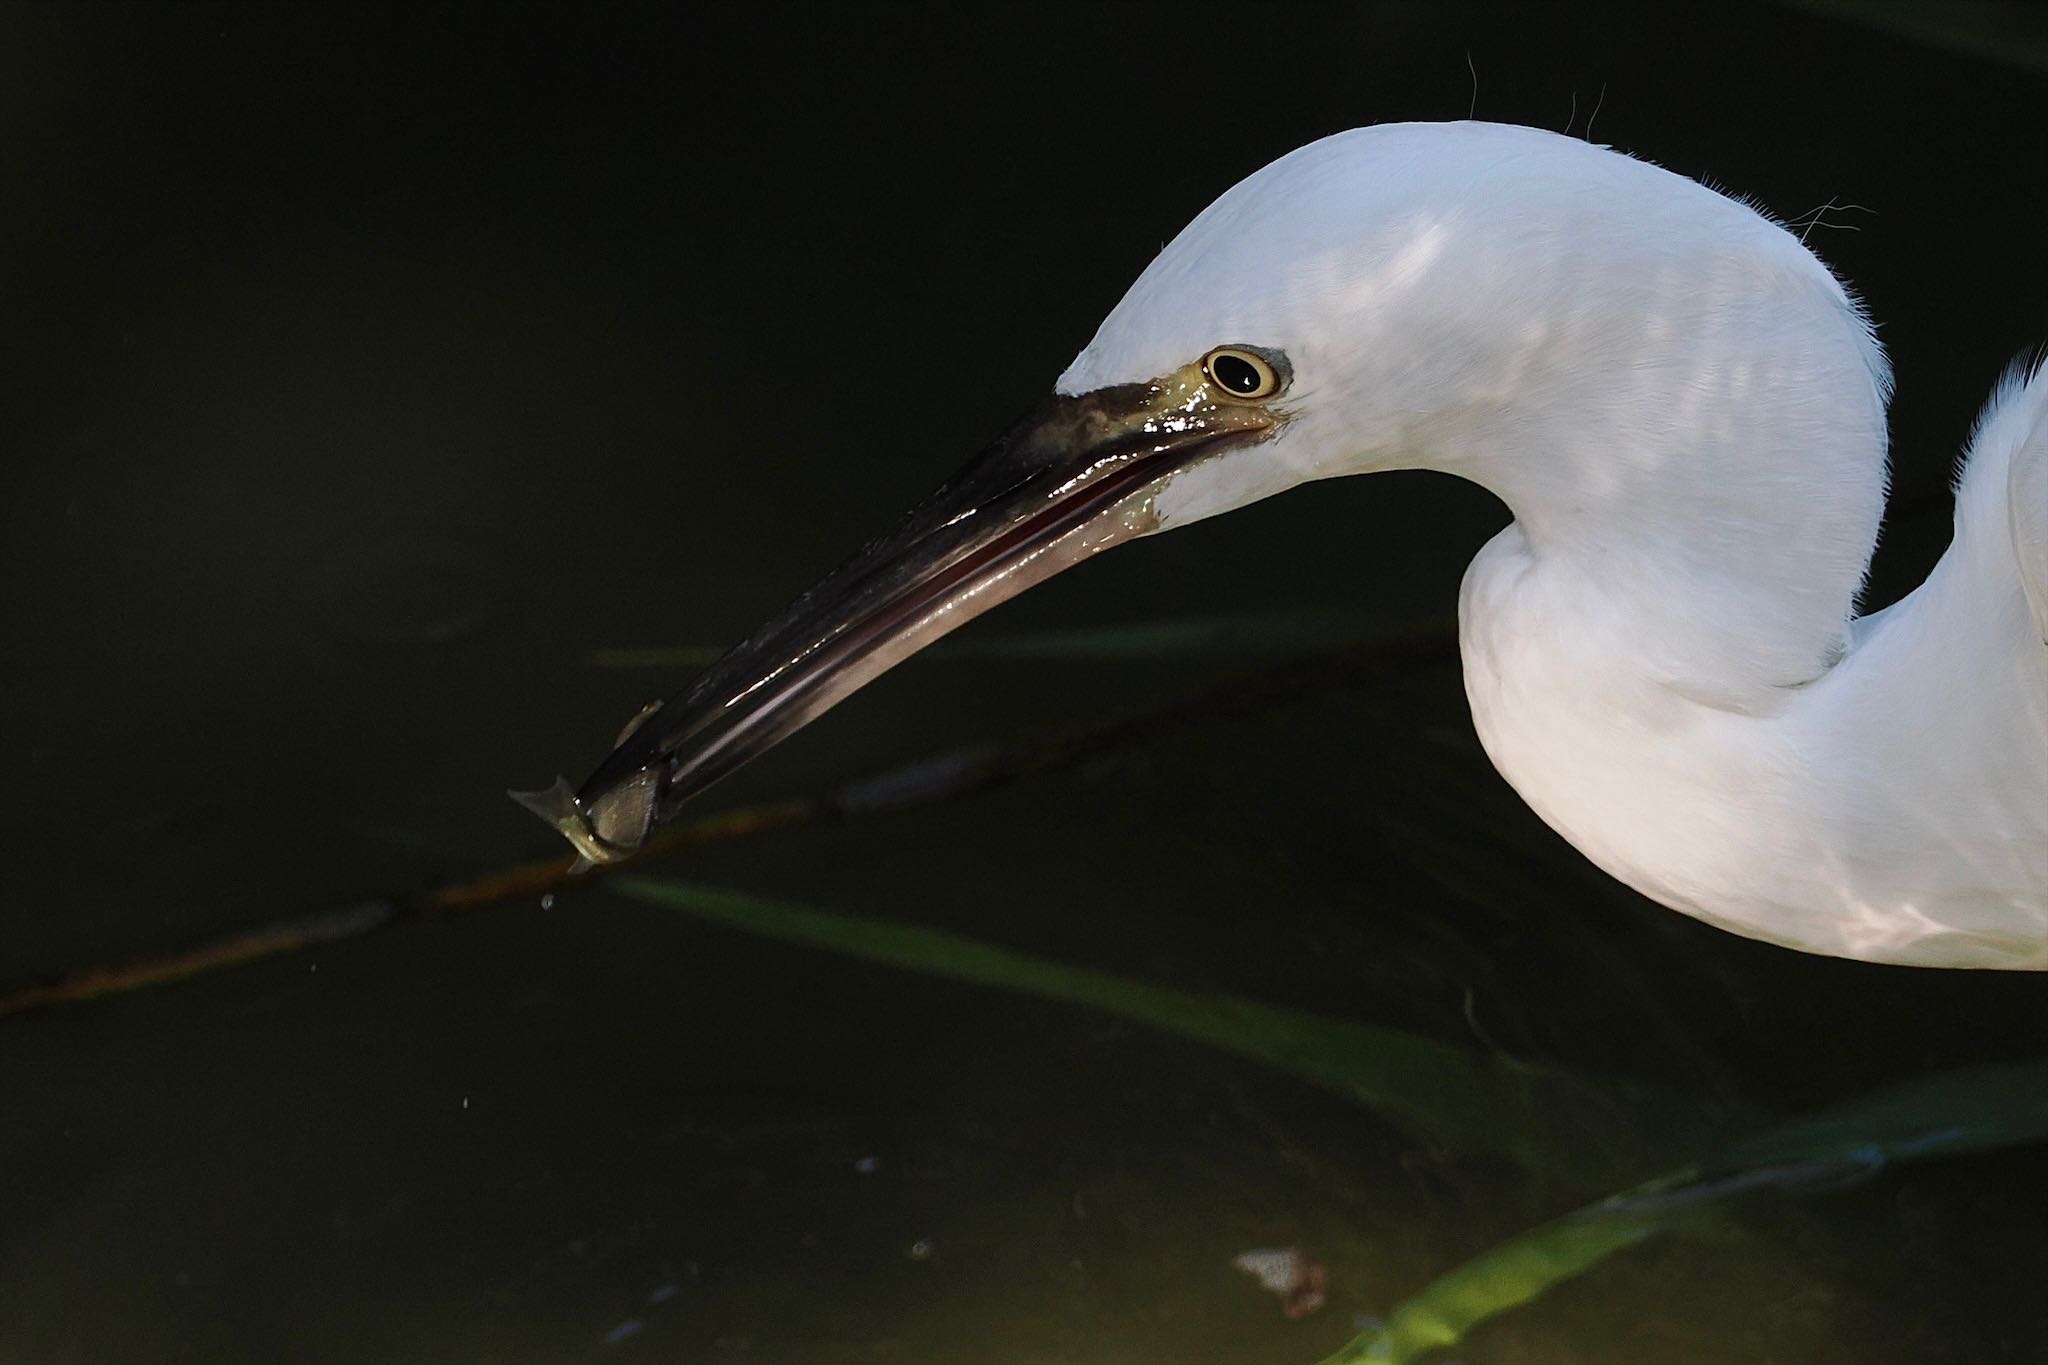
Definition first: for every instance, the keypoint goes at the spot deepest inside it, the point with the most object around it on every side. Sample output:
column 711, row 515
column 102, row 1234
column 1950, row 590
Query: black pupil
column 1235, row 373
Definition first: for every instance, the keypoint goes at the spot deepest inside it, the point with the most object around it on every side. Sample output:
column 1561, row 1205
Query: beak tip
column 559, row 808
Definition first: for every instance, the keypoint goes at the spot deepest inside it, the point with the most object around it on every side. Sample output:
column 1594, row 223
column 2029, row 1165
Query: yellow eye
column 1244, row 375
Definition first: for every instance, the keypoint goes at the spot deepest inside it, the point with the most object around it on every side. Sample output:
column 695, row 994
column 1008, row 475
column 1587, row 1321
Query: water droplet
column 547, row 902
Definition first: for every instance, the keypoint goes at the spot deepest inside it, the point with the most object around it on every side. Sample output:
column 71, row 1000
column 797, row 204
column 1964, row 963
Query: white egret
column 1685, row 413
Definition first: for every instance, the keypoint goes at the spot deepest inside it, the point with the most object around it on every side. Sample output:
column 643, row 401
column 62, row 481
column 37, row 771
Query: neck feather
column 1707, row 484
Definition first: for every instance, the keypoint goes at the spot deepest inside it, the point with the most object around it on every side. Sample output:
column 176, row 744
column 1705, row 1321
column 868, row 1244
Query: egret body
column 1685, row 413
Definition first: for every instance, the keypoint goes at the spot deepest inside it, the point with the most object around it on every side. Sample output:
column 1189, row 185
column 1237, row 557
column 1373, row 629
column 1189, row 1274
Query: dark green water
column 371, row 369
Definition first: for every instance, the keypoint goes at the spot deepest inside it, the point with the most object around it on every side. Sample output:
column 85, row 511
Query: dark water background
column 369, row 368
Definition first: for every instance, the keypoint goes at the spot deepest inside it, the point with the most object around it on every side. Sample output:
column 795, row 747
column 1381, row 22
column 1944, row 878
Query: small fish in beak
column 1075, row 477
column 611, row 827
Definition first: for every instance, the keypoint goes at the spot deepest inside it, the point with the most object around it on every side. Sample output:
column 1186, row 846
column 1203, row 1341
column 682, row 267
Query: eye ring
column 1241, row 374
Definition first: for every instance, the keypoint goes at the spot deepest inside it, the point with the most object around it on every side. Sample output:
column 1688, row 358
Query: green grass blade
column 1976, row 1109
column 1504, row 1277
column 2009, row 31
column 1464, row 1102
column 1458, row 1099
column 1973, row 1109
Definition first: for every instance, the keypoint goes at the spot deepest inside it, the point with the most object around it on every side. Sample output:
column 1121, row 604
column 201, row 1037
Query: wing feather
column 2026, row 487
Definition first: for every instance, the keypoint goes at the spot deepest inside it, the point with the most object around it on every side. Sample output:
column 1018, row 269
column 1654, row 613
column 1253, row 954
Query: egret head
column 1577, row 330
column 1572, row 328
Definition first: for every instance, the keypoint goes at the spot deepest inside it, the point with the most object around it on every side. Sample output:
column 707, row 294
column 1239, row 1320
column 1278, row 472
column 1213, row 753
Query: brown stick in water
column 941, row 777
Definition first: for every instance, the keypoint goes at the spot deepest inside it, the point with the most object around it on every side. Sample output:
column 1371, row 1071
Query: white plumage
column 1684, row 411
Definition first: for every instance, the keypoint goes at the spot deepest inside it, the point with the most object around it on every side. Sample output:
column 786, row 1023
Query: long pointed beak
column 1075, row 477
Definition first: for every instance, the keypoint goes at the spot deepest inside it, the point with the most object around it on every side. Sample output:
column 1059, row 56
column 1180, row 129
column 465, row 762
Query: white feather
column 1684, row 411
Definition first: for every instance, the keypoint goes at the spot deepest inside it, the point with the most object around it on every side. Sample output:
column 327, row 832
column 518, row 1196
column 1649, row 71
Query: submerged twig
column 279, row 936
column 928, row 781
